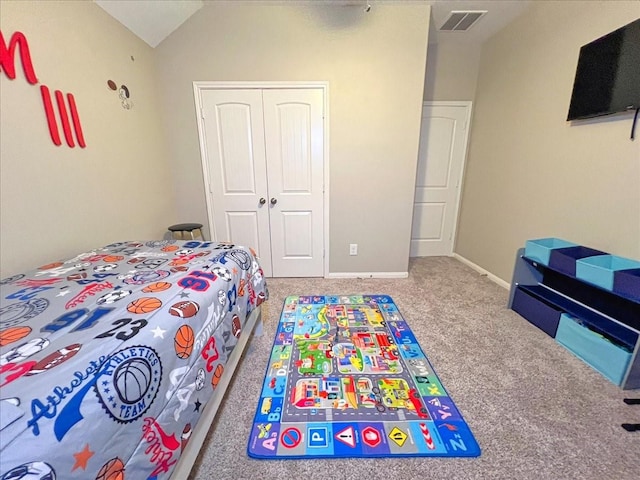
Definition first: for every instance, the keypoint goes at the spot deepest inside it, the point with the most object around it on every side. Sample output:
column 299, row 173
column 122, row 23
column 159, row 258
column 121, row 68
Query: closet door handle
column 274, row 201
column 263, row 200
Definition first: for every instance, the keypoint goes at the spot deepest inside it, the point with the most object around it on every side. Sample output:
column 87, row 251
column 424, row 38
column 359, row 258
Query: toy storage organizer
column 588, row 300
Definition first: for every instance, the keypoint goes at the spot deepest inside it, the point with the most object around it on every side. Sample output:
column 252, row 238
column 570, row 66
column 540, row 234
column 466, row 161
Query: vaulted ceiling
column 154, row 20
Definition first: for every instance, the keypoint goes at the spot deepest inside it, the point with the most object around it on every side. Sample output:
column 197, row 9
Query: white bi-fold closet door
column 263, row 161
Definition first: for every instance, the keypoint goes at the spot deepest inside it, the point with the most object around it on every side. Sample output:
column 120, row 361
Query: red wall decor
column 7, row 64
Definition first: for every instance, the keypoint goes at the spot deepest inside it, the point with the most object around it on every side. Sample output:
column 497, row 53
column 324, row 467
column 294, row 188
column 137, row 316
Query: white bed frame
column 253, row 327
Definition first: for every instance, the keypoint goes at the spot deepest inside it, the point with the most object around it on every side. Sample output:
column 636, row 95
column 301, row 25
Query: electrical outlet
column 353, row 249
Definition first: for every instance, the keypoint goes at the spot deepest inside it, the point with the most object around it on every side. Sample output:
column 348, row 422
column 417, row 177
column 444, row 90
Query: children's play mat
column 347, row 378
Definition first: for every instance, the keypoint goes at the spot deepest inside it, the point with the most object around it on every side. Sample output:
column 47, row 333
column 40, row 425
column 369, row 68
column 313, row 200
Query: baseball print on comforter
column 108, row 359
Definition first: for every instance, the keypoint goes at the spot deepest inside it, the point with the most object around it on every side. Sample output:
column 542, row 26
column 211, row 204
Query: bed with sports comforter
column 113, row 361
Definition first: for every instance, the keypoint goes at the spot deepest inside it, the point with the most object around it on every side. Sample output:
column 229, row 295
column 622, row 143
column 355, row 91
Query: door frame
column 465, row 147
column 200, row 86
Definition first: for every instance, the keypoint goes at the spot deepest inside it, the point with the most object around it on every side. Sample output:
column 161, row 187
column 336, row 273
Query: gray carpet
column 537, row 411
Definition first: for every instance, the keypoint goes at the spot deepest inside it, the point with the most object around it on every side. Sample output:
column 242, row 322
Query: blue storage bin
column 540, row 249
column 538, row 312
column 627, row 283
column 564, row 259
column 600, row 270
column 606, row 357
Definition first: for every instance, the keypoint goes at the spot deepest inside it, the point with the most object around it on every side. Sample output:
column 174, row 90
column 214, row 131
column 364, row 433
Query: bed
column 113, row 363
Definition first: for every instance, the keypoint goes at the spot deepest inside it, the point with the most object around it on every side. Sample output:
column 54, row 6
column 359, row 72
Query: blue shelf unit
column 596, row 317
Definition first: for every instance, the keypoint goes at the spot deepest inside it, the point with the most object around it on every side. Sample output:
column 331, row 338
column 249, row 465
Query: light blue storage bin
column 594, row 349
column 540, row 249
column 599, row 270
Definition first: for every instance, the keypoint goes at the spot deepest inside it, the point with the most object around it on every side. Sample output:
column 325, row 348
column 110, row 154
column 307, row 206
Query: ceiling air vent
column 460, row 21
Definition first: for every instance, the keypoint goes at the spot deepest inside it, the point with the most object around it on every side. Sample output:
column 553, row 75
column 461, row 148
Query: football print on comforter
column 108, row 359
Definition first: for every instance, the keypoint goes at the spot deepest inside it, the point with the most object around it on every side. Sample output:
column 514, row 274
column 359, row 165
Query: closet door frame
column 200, row 86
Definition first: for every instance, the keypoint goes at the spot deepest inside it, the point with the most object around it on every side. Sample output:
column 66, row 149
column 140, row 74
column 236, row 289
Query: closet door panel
column 294, row 139
column 236, row 169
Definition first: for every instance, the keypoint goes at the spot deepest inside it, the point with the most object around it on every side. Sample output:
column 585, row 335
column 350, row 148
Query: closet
column 263, row 164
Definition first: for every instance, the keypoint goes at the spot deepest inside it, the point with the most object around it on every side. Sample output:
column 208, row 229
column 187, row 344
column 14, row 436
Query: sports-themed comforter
column 108, row 359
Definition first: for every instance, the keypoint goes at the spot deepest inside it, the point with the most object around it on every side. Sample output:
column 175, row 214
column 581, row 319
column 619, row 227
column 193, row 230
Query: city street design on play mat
column 347, row 378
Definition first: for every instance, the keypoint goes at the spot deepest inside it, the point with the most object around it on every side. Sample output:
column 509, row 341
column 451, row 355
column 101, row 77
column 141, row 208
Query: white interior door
column 442, row 152
column 294, row 136
column 263, row 161
column 236, row 169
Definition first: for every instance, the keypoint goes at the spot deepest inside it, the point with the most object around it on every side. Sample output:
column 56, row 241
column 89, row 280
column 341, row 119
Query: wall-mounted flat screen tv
column 608, row 75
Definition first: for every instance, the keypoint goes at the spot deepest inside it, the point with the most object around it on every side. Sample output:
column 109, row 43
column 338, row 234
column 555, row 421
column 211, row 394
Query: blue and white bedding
column 108, row 359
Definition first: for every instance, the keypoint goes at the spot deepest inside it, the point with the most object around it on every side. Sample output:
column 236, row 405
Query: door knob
column 263, row 200
column 274, row 201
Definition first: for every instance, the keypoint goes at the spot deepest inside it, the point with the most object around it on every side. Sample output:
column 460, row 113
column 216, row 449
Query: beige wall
column 452, row 71
column 375, row 66
column 57, row 201
column 531, row 174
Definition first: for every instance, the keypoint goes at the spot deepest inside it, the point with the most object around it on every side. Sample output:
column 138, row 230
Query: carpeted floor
column 537, row 411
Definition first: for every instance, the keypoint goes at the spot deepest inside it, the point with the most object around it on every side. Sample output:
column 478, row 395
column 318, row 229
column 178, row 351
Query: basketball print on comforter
column 108, row 359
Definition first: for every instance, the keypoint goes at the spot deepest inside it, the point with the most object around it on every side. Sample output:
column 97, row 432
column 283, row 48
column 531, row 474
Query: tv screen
column 608, row 75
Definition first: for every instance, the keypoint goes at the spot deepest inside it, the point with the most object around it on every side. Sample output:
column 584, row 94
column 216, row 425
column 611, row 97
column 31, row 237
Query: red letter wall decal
column 51, row 119
column 62, row 108
column 8, row 57
column 76, row 120
column 7, row 64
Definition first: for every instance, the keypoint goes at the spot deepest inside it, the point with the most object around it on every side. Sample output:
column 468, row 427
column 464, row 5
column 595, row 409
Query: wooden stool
column 186, row 228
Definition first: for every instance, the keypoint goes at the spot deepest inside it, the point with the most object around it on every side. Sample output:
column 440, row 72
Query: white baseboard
column 368, row 275
column 478, row 268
